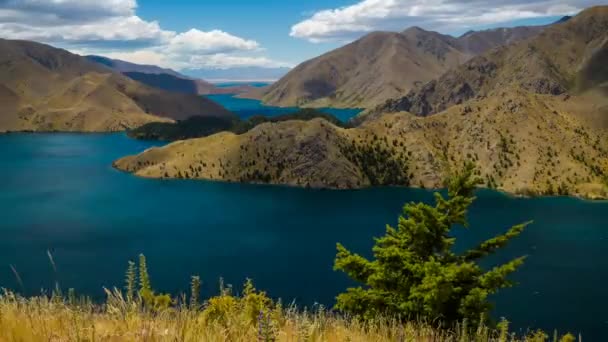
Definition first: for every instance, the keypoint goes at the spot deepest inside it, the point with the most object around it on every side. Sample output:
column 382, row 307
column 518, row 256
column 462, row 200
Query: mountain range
column 48, row 89
column 566, row 58
column 383, row 65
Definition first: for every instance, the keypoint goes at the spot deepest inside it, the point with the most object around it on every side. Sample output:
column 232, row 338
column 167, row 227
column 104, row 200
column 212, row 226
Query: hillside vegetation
column 522, row 143
column 197, row 127
column 47, row 89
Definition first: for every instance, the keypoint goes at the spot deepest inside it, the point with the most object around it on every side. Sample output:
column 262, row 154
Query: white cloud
column 112, row 28
column 64, row 11
column 350, row 22
column 160, row 57
column 216, row 41
column 222, row 61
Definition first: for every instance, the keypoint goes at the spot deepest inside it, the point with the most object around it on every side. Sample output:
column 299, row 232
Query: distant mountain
column 238, row 74
column 563, row 19
column 382, row 65
column 48, row 89
column 166, row 79
column 124, row 66
column 569, row 56
column 478, row 42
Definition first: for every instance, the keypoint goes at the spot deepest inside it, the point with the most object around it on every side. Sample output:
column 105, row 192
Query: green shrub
column 416, row 275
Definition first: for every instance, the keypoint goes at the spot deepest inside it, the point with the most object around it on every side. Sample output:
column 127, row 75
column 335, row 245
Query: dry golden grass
column 222, row 318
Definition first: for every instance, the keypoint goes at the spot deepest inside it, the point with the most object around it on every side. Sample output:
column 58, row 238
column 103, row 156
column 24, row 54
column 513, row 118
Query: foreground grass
column 222, row 318
column 138, row 313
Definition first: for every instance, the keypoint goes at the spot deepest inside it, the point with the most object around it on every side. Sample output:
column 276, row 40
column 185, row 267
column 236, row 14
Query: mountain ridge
column 50, row 89
column 548, row 63
column 382, row 65
column 165, row 78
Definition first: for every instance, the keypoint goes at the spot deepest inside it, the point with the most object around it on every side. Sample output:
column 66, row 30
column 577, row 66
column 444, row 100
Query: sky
column 224, row 34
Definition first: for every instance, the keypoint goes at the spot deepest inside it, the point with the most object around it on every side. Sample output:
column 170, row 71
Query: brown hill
column 569, row 56
column 46, row 89
column 522, row 143
column 382, row 65
column 478, row 42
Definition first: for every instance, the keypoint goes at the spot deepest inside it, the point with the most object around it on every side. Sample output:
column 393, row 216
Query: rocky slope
column 382, row 65
column 47, row 89
column 569, row 56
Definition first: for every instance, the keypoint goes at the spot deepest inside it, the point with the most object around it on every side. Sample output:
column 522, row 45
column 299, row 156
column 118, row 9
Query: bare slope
column 382, row 65
column 569, row 56
column 44, row 88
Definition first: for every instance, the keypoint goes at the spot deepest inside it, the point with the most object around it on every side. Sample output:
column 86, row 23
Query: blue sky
column 204, row 34
column 266, row 21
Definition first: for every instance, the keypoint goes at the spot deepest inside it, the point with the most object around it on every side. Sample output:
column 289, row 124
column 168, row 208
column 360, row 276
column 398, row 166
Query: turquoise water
column 246, row 108
column 60, row 193
column 236, row 84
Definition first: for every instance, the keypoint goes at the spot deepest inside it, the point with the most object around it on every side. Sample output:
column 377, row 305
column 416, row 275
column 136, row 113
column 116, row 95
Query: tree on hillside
column 415, row 274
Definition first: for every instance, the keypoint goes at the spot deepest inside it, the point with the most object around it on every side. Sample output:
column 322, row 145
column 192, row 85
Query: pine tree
column 415, row 274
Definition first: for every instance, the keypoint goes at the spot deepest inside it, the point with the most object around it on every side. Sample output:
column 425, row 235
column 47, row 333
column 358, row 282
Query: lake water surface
column 246, row 108
column 58, row 192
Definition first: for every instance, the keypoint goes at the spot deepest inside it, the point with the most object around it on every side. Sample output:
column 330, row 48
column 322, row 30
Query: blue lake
column 60, row 193
column 246, row 108
column 236, row 84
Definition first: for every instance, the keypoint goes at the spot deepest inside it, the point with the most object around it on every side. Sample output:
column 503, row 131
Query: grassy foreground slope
column 224, row 318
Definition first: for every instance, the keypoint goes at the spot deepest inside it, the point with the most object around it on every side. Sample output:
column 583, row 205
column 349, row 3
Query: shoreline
column 503, row 192
column 592, row 199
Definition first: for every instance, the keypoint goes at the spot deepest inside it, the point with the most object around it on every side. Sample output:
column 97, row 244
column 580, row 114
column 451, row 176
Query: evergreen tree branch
column 354, row 265
column 490, row 246
column 496, row 278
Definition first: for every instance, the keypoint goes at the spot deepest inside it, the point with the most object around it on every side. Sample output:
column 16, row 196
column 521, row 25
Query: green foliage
column 130, row 280
column 416, row 275
column 195, row 289
column 144, row 278
column 200, row 126
column 381, row 164
column 254, row 301
column 568, row 338
column 249, row 305
column 146, row 294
